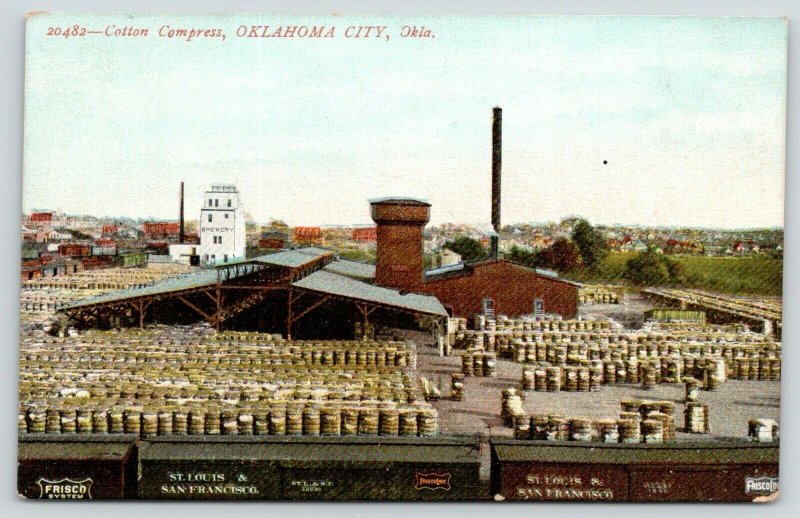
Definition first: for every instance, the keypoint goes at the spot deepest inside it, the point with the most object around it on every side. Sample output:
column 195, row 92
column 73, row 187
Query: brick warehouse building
column 505, row 287
column 493, row 286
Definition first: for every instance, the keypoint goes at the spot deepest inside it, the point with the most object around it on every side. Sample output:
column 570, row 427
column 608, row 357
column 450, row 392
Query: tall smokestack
column 497, row 151
column 181, row 236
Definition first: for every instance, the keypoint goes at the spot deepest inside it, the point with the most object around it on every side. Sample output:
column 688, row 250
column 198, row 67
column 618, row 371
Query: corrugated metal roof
column 707, row 452
column 339, row 285
column 200, row 278
column 486, row 262
column 351, row 269
column 315, row 250
column 337, row 279
column 56, row 451
column 289, row 258
column 30, row 254
column 444, row 269
column 292, row 454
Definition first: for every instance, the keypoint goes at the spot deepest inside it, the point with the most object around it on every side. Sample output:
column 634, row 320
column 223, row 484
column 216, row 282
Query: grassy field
column 734, row 275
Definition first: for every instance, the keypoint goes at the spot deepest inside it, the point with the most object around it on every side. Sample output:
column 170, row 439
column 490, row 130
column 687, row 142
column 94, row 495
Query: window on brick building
column 488, row 307
column 538, row 307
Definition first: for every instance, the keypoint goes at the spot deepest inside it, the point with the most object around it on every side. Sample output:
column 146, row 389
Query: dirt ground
column 730, row 407
column 478, row 413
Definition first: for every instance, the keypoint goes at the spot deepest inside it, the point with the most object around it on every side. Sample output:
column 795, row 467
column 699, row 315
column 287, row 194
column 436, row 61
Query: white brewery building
column 222, row 229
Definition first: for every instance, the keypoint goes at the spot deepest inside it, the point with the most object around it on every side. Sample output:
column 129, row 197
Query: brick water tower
column 399, row 257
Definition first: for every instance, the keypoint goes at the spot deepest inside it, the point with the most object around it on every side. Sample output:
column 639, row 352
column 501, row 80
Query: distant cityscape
column 54, row 242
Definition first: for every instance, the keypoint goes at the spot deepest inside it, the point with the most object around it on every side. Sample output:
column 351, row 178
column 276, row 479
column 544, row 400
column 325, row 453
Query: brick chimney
column 182, row 235
column 497, row 156
column 400, row 223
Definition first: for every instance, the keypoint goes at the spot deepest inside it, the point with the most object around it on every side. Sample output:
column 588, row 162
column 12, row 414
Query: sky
column 631, row 120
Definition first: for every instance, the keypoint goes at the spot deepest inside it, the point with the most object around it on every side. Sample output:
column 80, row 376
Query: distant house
column 539, row 242
column 160, row 229
column 273, row 240
column 698, row 248
column 634, row 246
column 365, row 234
column 130, row 233
column 57, row 235
column 104, row 247
column 41, row 219
column 307, row 235
column 29, row 234
column 674, row 246
column 74, row 250
column 157, row 248
column 110, row 229
column 45, row 269
column 82, row 222
column 30, row 254
column 445, row 257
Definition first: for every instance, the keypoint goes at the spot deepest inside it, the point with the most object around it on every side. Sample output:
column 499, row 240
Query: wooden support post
column 364, row 322
column 218, row 314
column 145, row 305
column 140, row 308
column 289, row 314
column 440, row 336
column 365, row 312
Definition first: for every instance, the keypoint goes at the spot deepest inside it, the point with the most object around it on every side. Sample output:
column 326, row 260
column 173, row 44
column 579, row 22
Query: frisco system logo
column 65, row 488
column 761, row 485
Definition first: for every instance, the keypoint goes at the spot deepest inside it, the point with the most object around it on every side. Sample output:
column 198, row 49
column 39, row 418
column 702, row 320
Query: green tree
column 523, row 256
column 469, row 249
column 562, row 255
column 77, row 234
column 591, row 243
column 677, row 273
column 649, row 268
column 775, row 254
